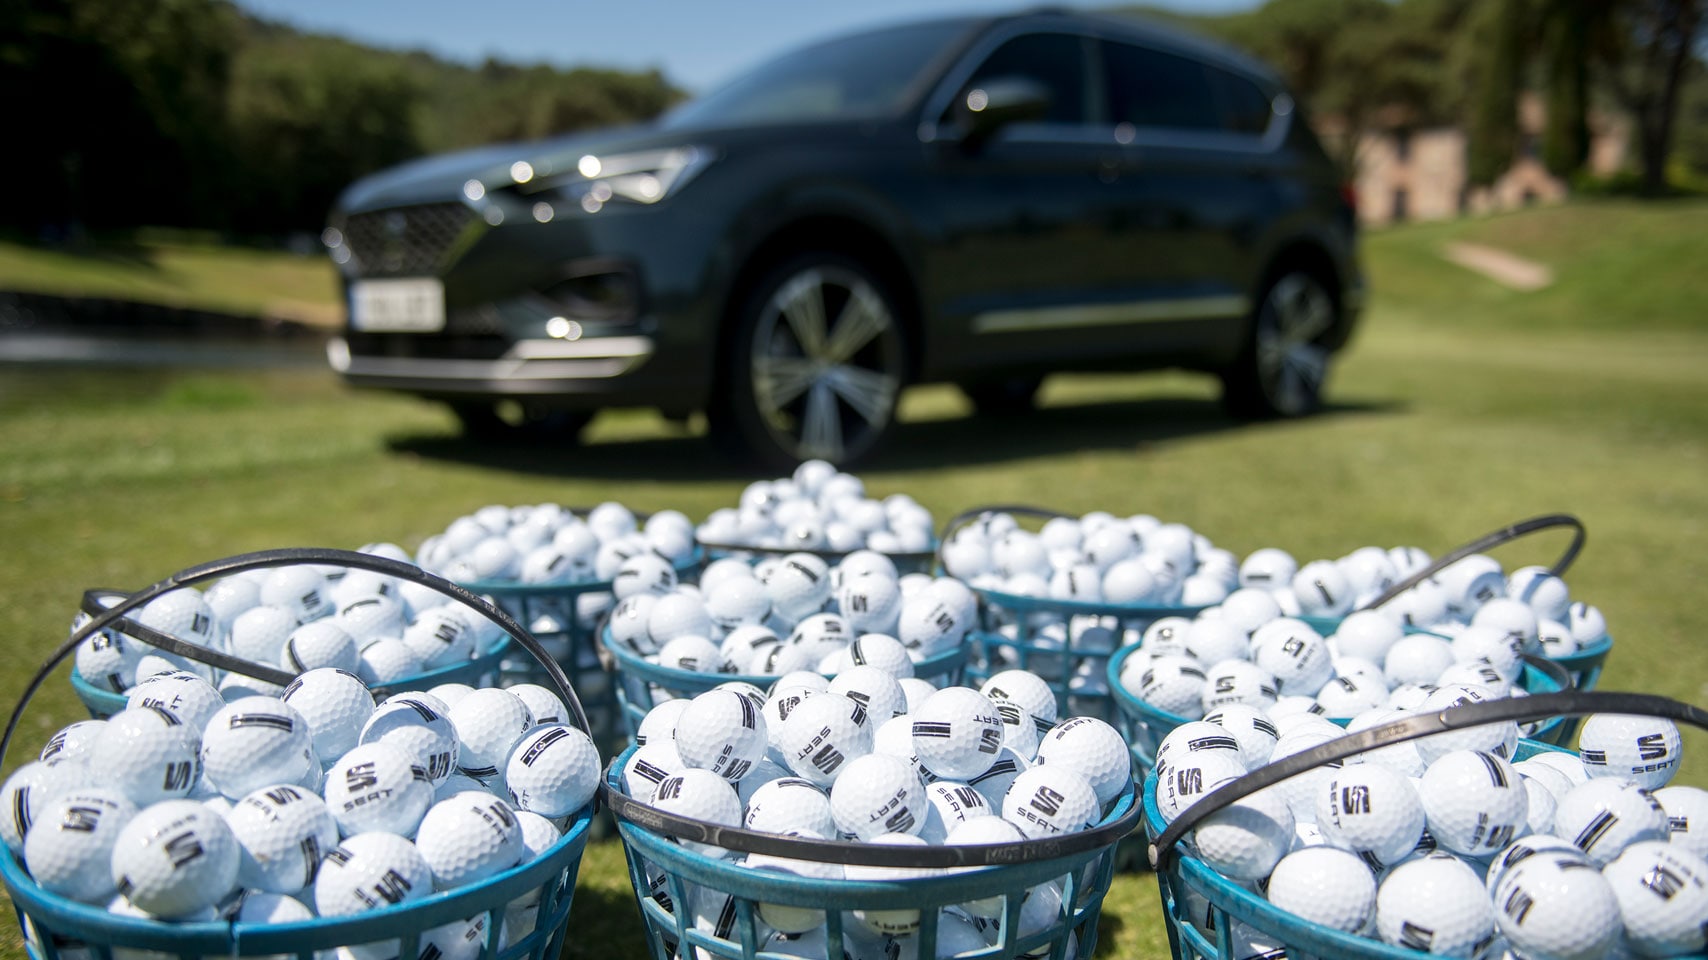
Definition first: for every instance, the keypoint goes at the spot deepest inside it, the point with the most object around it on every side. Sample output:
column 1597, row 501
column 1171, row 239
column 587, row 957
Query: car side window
column 1149, row 88
column 1245, row 107
column 1056, row 61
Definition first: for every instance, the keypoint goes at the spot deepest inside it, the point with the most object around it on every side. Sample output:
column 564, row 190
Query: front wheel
column 1283, row 367
column 816, row 364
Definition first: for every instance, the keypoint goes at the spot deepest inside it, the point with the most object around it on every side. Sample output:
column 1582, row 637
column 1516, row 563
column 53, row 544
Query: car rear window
column 1245, row 107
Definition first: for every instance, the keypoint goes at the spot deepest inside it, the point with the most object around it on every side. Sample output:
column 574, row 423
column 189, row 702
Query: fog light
column 563, row 328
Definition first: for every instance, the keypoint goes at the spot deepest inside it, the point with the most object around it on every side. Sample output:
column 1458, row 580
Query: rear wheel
column 816, row 365
column 510, row 421
column 1284, row 366
column 1004, row 398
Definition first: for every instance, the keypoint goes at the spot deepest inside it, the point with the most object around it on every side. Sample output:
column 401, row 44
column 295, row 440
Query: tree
column 1565, row 137
column 1644, row 49
column 1492, row 134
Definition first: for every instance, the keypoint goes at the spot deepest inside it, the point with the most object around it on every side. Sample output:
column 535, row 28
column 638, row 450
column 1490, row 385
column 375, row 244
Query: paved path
column 1507, row 269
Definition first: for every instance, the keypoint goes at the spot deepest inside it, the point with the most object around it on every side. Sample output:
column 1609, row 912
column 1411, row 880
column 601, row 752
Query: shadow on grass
column 1116, row 425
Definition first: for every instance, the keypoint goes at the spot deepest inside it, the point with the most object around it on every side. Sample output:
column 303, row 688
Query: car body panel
column 1049, row 247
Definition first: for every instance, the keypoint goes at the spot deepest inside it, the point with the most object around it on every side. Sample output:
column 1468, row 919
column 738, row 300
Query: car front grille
column 408, row 241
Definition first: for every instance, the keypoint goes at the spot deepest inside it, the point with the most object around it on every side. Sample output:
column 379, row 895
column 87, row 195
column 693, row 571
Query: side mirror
column 990, row 105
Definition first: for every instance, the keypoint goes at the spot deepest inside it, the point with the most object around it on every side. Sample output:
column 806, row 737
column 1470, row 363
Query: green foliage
column 188, row 113
column 1498, row 26
column 1565, row 139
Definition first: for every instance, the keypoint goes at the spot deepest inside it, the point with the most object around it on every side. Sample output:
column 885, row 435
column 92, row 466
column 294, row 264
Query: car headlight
column 645, row 177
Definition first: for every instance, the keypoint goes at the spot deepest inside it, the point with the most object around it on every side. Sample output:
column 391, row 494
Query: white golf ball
column 69, row 849
column 1048, row 801
column 412, row 724
column 957, row 732
column 878, row 794
column 284, row 831
column 1645, row 750
column 1475, row 802
column 553, row 770
column 1554, row 907
column 1435, row 904
column 149, row 754
column 1326, row 886
column 1247, row 838
column 174, row 858
column 468, row 838
column 1371, row 812
column 1604, row 816
column 255, row 742
column 375, row 788
column 821, row 734
column 488, row 723
column 370, row 871
column 192, row 698
column 1663, row 898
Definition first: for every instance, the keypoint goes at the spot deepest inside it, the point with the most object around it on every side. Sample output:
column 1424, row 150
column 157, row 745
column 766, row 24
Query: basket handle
column 97, row 602
column 1538, row 707
column 630, row 810
column 959, row 520
column 1489, row 541
column 284, row 557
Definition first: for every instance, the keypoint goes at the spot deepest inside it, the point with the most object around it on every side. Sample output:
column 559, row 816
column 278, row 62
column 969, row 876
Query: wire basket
column 670, row 879
column 908, row 561
column 480, row 671
column 1074, row 668
column 56, row 927
column 642, row 685
column 554, row 615
column 1201, row 906
column 1144, row 726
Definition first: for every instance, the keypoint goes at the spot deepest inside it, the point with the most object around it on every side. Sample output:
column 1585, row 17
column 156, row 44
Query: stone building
column 1407, row 172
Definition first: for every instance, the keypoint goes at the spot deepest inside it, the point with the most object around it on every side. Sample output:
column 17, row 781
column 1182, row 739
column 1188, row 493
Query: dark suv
column 975, row 201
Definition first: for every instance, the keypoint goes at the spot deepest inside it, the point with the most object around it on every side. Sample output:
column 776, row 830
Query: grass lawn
column 1461, row 407
column 222, row 279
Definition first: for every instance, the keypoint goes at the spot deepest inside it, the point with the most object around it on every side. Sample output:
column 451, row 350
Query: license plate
column 415, row 305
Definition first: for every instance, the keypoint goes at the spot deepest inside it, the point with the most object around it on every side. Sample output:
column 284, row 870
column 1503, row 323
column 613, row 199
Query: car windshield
column 857, row 76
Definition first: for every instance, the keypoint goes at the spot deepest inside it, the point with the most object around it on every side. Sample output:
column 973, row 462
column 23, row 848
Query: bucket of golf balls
column 1367, row 673
column 275, row 624
column 821, row 511
column 1059, row 601
column 1463, row 589
column 553, row 569
column 446, row 824
column 751, row 623
column 1438, row 834
column 842, row 818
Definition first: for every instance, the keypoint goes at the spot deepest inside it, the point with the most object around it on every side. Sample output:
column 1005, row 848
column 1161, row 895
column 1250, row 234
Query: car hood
column 443, row 176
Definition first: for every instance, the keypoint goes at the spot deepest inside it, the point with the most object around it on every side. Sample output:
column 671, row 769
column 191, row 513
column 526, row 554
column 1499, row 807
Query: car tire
column 814, row 364
column 510, row 422
column 1283, row 365
column 1012, row 397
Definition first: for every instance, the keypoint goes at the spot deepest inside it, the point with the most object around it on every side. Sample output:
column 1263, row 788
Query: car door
column 1197, row 183
column 1019, row 213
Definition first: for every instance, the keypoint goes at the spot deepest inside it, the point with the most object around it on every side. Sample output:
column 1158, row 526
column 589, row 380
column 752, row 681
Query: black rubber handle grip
column 285, row 557
column 93, row 605
column 1566, row 703
column 1489, row 541
column 627, row 808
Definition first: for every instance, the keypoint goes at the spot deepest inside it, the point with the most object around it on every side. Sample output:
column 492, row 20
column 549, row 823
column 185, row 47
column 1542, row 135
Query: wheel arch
column 1312, row 256
column 838, row 233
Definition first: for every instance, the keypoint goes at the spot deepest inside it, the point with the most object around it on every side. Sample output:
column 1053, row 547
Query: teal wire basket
column 481, row 671
column 670, row 879
column 641, row 685
column 1201, row 907
column 553, row 614
column 55, row 927
column 1144, row 726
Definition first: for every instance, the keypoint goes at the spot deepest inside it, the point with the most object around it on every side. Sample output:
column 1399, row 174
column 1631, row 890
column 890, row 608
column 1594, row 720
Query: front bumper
column 527, row 368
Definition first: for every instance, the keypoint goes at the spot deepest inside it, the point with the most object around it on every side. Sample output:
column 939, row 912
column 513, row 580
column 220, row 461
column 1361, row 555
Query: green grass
column 221, row 279
column 1457, row 410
